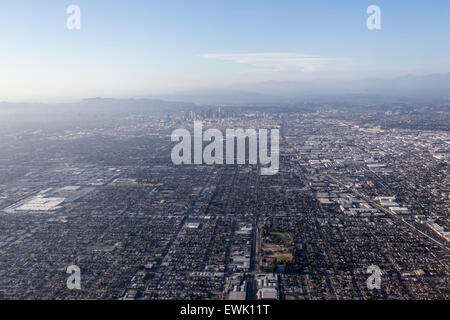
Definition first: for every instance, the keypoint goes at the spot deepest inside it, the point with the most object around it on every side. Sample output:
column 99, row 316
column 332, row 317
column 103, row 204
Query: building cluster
column 349, row 194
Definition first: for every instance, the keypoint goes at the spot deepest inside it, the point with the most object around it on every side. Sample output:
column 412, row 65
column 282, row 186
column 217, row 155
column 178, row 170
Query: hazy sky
column 127, row 48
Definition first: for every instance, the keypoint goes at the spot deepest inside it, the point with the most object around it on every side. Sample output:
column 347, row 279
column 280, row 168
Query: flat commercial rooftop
column 40, row 203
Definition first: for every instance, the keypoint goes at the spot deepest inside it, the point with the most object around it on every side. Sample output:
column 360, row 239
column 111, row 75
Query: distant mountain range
column 220, row 96
column 422, row 88
column 408, row 89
